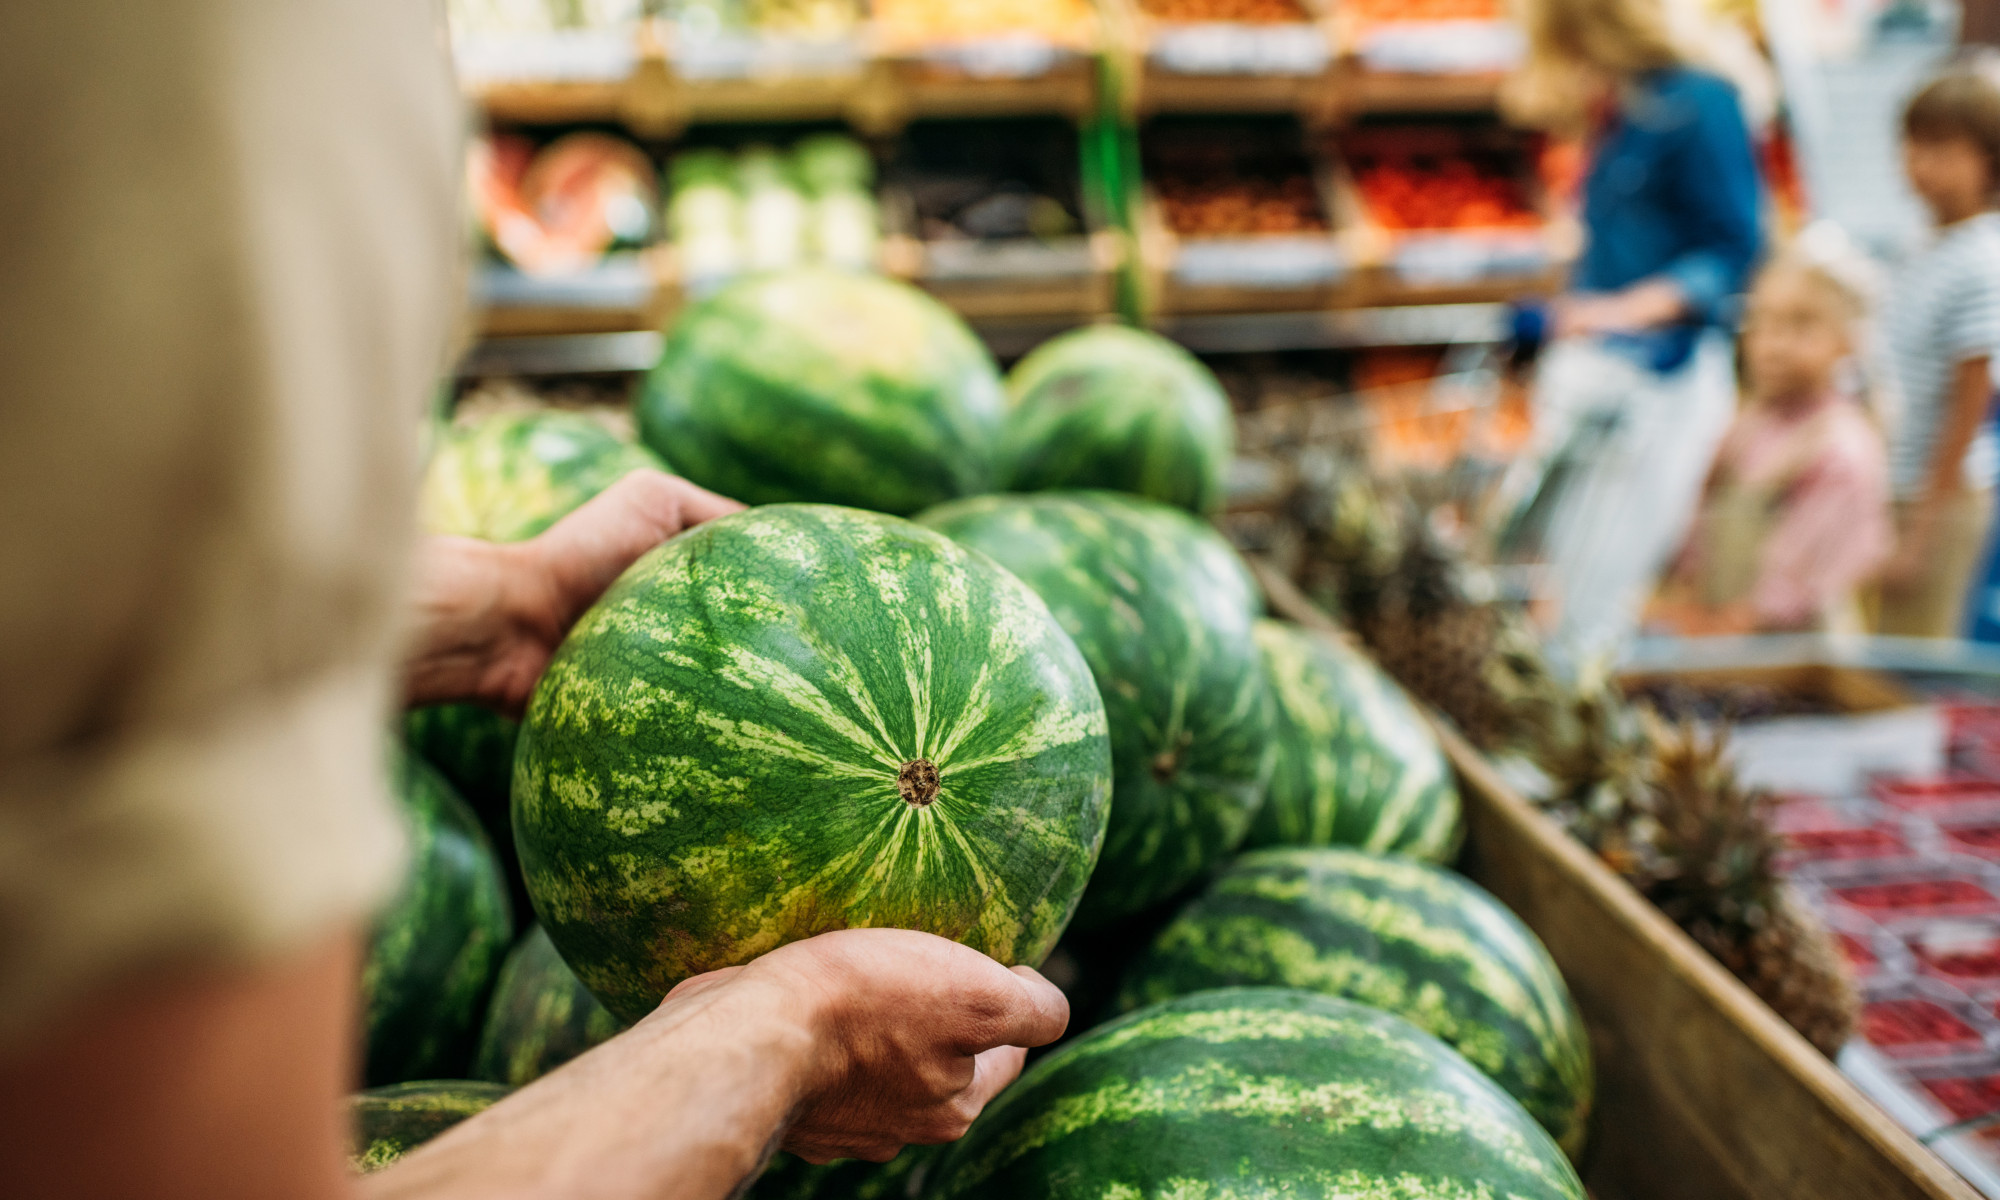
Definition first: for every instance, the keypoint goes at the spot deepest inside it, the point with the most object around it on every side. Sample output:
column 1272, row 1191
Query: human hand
column 912, row 1034
column 1915, row 542
column 1649, row 304
column 491, row 615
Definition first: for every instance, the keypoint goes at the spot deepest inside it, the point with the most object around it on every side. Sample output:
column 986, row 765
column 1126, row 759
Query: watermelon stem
column 917, row 782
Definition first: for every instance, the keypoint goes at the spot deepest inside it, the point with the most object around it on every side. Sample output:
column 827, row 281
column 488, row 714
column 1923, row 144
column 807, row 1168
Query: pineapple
column 1710, row 867
column 1426, row 612
column 1661, row 805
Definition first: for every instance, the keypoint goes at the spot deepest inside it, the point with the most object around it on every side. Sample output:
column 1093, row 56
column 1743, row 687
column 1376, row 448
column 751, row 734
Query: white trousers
column 1644, row 442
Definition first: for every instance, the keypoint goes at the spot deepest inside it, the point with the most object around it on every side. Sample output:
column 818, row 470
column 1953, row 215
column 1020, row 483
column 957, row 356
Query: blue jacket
column 1674, row 190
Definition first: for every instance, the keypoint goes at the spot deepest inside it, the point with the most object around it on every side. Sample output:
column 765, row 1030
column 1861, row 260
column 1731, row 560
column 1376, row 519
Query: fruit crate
column 1446, row 209
column 1703, row 1092
column 1001, row 67
column 1229, row 56
column 1424, row 39
column 1237, row 217
column 1037, row 246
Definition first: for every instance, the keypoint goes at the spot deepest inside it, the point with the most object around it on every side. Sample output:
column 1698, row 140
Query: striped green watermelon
column 1162, row 609
column 1255, row 1094
column 1402, row 936
column 505, row 477
column 541, row 1016
column 901, row 1178
column 802, row 718
column 1114, row 407
column 819, row 386
column 437, row 947
column 389, row 1122
column 1356, row 763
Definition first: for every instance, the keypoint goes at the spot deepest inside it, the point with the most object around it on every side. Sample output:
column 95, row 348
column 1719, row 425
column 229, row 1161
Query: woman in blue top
column 1638, row 385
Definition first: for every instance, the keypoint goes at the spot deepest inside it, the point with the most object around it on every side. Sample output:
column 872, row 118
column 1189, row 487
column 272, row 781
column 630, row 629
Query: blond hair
column 1571, row 40
column 1833, row 264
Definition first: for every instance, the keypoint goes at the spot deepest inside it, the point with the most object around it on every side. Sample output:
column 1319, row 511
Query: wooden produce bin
column 944, row 171
column 1525, row 247
column 1426, row 56
column 1235, row 268
column 993, row 71
column 1703, row 1093
column 1228, row 67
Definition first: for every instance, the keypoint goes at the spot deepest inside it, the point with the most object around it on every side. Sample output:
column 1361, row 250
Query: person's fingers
column 1028, row 1011
column 991, row 1072
column 698, row 504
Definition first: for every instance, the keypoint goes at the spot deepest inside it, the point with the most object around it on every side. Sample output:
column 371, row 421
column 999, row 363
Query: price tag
column 1220, row 48
column 562, row 56
column 1273, row 262
column 1008, row 258
column 1443, row 47
column 737, row 54
column 618, row 281
column 1453, row 257
column 1017, row 56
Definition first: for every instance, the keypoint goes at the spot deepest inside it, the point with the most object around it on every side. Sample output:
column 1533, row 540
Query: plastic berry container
column 1939, row 796
column 1976, row 835
column 1903, row 889
column 1920, row 1020
column 1962, row 952
column 1821, row 831
column 1872, row 954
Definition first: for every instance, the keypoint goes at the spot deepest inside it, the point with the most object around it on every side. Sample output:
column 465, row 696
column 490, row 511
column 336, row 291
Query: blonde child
column 1795, row 514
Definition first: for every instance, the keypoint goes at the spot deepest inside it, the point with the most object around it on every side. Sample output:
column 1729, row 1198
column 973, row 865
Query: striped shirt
column 1945, row 309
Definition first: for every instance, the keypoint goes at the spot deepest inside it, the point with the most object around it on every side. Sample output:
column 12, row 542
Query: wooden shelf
column 878, row 91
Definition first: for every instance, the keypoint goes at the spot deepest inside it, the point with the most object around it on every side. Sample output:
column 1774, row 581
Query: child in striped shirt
column 1943, row 329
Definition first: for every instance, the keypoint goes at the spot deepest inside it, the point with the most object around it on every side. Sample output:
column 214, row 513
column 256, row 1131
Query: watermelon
column 801, row 718
column 1114, row 407
column 504, row 477
column 540, row 1018
column 1254, row 1094
column 819, row 386
column 1356, row 763
column 436, row 948
column 1162, row 609
column 901, row 1178
column 389, row 1122
column 1405, row 937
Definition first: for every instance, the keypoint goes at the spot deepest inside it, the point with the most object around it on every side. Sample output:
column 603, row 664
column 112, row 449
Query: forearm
column 1971, row 393
column 687, row 1104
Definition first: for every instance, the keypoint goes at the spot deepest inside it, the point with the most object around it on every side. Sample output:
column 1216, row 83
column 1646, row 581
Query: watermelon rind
column 801, row 718
column 1402, row 936
column 1122, row 409
column 438, row 945
column 1355, row 761
column 389, row 1122
column 1255, row 1094
column 901, row 1178
column 1162, row 609
column 540, row 1017
column 819, row 386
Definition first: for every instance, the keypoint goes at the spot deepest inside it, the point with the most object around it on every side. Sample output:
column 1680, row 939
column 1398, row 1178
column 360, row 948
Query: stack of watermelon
column 1014, row 710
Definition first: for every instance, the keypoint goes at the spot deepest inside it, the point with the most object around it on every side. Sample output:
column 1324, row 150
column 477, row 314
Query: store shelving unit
column 640, row 79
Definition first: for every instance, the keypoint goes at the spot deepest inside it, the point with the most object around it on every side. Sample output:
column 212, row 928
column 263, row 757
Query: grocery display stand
column 1703, row 1092
column 646, row 79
